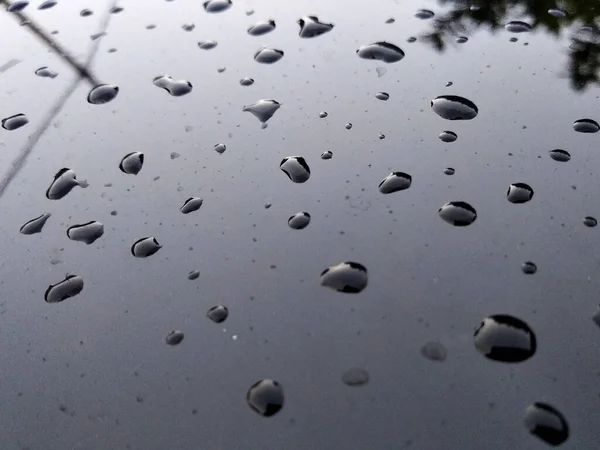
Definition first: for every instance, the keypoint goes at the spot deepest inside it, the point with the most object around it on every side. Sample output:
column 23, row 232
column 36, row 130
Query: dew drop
column 263, row 109
column 193, row 275
column 87, row 233
column 296, row 168
column 299, row 220
column 191, row 204
column 265, row 397
column 382, row 96
column 174, row 337
column 586, row 126
column 67, row 288
column 220, row 148
column 103, row 93
column 174, row 155
column 34, row 226
column 218, row 314
column 17, row 6
column 411, row 39
column 261, row 28
column 453, row 107
column 311, row 26
column 529, row 268
column 505, row 338
column 434, row 351
column 424, row 14
column 45, row 72
column 246, row 81
column 176, row 88
column 207, row 45
column 348, row 126
column 144, row 247
column 328, row 154
column 150, row 26
column 47, row 4
column 132, row 163
column 86, row 13
column 590, row 222
column 268, row 55
column 349, row 277
column 116, row 9
column 381, row 51
column 449, row 171
column 64, row 181
column 546, row 423
column 462, row 40
column 557, row 12
column 188, row 27
column 459, row 214
column 513, row 39
column 516, row 26
column 560, row 155
column 355, row 376
column 381, row 136
column 15, row 122
column 519, row 193
column 448, row 136
column 394, row 182
column 217, row 6
column 390, row 20
column 323, row 114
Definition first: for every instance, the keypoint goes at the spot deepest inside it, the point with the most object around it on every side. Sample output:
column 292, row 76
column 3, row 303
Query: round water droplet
column 349, row 277
column 394, row 182
column 48, row 4
column 144, row 247
column 560, row 155
column 323, row 114
column 176, row 88
column 529, row 268
column 519, row 193
column 434, row 351
column 188, row 27
column 260, row 28
column 381, row 51
column 17, row 6
column 448, row 136
column 67, row 288
column 348, row 126
column 516, row 26
column 174, row 337
column 263, row 109
column 15, row 122
column 246, row 81
column 589, row 221
column 557, row 12
column 546, row 423
column 217, row 6
column 355, row 377
column 220, row 148
column 86, row 12
column 505, row 338
column 462, row 40
column 265, row 397
column 268, row 55
column 207, row 45
column 296, row 168
column 424, row 14
column 132, row 163
column 64, row 181
column 586, row 126
column 459, row 214
column 34, row 226
column 299, row 220
column 191, row 204
column 411, row 39
column 382, row 96
column 449, row 171
column 193, row 275
column 311, row 26
column 87, row 233
column 218, row 313
column 453, row 107
column 103, row 93
column 328, row 154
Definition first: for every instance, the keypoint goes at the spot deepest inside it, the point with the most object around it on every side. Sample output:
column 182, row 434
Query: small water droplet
column 390, row 20
column 381, row 71
column 328, row 154
column 86, row 13
column 188, row 27
column 546, row 423
column 265, row 397
column 355, row 376
column 268, row 205
column 411, row 39
column 586, row 126
column 349, row 277
column 116, row 9
column 193, row 275
column 529, row 268
column 589, row 221
column 174, row 155
column 87, row 232
column 34, row 226
column 217, row 6
column 17, row 6
column 462, row 40
column 505, row 338
column 394, row 182
column 268, row 55
column 246, row 81
column 95, row 36
column 434, row 351
column 560, row 155
column 381, row 51
column 220, row 148
column 112, row 50
column 191, row 204
column 47, row 4
column 262, row 27
column 424, row 14
column 557, row 12
column 449, row 83
column 448, row 136
column 249, row 12
column 459, row 214
column 218, row 314
column 263, row 109
column 299, row 220
column 381, row 136
column 517, row 26
column 207, row 45
column 449, row 171
column 150, row 26
column 348, row 126
column 174, row 337
column 519, row 193
column 596, row 316
column 513, row 39
column 382, row 96
column 15, row 122
column 132, row 163
column 176, row 88
column 311, row 26
column 103, row 93
column 221, row 69
column 453, row 107
column 67, row 288
column 144, row 247
column 323, row 114
column 296, row 168
column 64, row 181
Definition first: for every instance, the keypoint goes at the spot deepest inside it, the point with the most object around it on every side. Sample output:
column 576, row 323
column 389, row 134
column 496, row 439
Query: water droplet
column 220, row 148
column 348, row 126
column 67, row 288
column 218, row 314
column 176, row 88
column 116, row 9
column 424, row 14
column 132, row 163
column 328, row 154
column 453, row 107
column 596, row 317
column 448, row 136
column 296, row 168
column 17, row 6
column 207, row 45
column 516, row 26
column 586, row 126
column 411, row 39
column 193, row 275
column 103, row 93
column 529, row 268
column 449, row 171
column 355, row 377
column 268, row 55
column 505, row 338
column 381, row 136
column 268, row 205
column 64, row 181
column 174, row 337
column 434, row 351
column 246, row 81
column 381, row 51
column 87, row 232
column 262, row 27
column 174, row 155
column 560, row 155
column 95, row 36
column 449, row 83
column 188, row 27
column 221, row 69
column 263, row 109
column 311, row 26
column 144, row 247
column 462, row 40
column 382, row 96
column 265, row 397
column 217, row 6
column 547, row 423
column 86, row 12
column 323, row 114
column 14, row 122
column 48, row 4
column 459, row 214
column 557, row 12
column 150, row 26
column 513, row 39
column 390, row 20
column 589, row 221
column 349, row 277
column 299, row 220
column 191, row 204
column 34, row 226
column 394, row 182
column 519, row 193
column 112, row 50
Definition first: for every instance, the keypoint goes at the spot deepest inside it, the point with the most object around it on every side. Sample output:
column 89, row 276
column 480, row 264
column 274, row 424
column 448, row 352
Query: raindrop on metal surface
column 311, row 26
column 424, row 14
column 505, row 338
column 296, row 168
column 519, row 193
column 86, row 13
column 174, row 337
column 453, row 107
column 17, row 6
column 263, row 109
column 546, row 423
column 529, row 268
column 390, row 20
column 462, row 40
column 394, row 182
column 348, row 126
column 132, row 163
column 34, row 226
column 64, row 181
column 268, row 55
column 328, row 154
column 381, row 51
column 15, row 122
column 188, row 27
column 323, row 114
column 48, row 4
column 459, row 214
column 176, row 88
column 299, row 220
column 434, row 351
column 193, row 275
column 191, row 204
column 517, row 26
column 586, row 126
column 265, row 397
column 349, row 277
column 103, row 93
column 247, row 81
column 381, row 136
column 67, row 288
column 262, row 27
column 382, row 96
column 557, row 12
column 560, row 155
column 87, row 233
column 590, row 221
column 144, row 247
column 449, row 171
column 217, row 6
column 218, row 314
column 513, row 39
column 207, row 45
column 355, row 376
column 448, row 136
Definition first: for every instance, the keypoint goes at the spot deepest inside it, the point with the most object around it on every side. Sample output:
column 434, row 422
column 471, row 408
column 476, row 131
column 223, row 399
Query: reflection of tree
column 463, row 18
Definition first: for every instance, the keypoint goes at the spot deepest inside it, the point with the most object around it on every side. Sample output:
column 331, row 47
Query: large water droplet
column 14, row 122
column 350, row 277
column 48, row 4
column 17, row 6
column 586, row 126
column 519, row 193
column 557, row 12
column 453, row 107
column 327, row 154
column 395, row 181
column 381, row 51
column 355, row 376
column 434, row 351
column 590, row 221
column 132, row 163
column 529, row 268
column 67, row 288
column 216, row 6
column 207, row 45
column 547, row 423
column 176, row 88
column 64, row 181
column 516, row 26
column 263, row 109
column 86, row 12
column 191, row 204
column 174, row 337
column 424, row 14
column 448, row 136
column 247, row 81
column 144, row 247
column 34, row 226
column 265, row 397
column 296, row 168
column 262, row 27
column 382, row 96
column 311, row 26
column 218, row 313
column 560, row 155
column 86, row 232
column 299, row 220
column 505, row 338
column 268, row 55
column 103, row 93
column 459, row 214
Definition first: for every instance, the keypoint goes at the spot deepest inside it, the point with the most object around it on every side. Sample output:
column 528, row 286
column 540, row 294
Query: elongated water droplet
column 265, row 397
column 453, row 107
column 382, row 96
column 67, row 288
column 34, row 226
column 381, row 136
column 505, row 338
column 390, row 20
column 424, row 14
column 462, row 40
column 17, row 6
column 207, row 45
column 411, row 39
column 64, row 181
column 218, row 314
column 394, row 182
column 590, row 221
column 323, row 114
column 132, row 163
column 188, row 27
column 116, row 9
column 86, row 12
column 586, row 126
column 263, row 109
column 519, row 193
column 46, row 72
column 176, row 88
column 191, row 204
column 296, row 168
column 529, row 268
column 15, row 122
column 268, row 55
column 328, row 154
column 87, row 233
column 193, row 275
column 557, row 12
column 348, row 126
column 459, row 214
column 103, row 93
column 448, row 136
column 517, row 26
column 311, row 26
column 546, row 423
column 560, row 155
column 434, row 351
column 299, row 220
column 217, row 6
column 262, row 27
column 47, row 4
column 596, row 316
column 247, row 81
column 174, row 337
column 355, row 376
column 144, row 247
column 449, row 171
column 349, row 277
column 381, row 51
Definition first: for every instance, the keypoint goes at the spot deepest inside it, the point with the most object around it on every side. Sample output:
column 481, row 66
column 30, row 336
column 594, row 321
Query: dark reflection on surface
column 577, row 16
